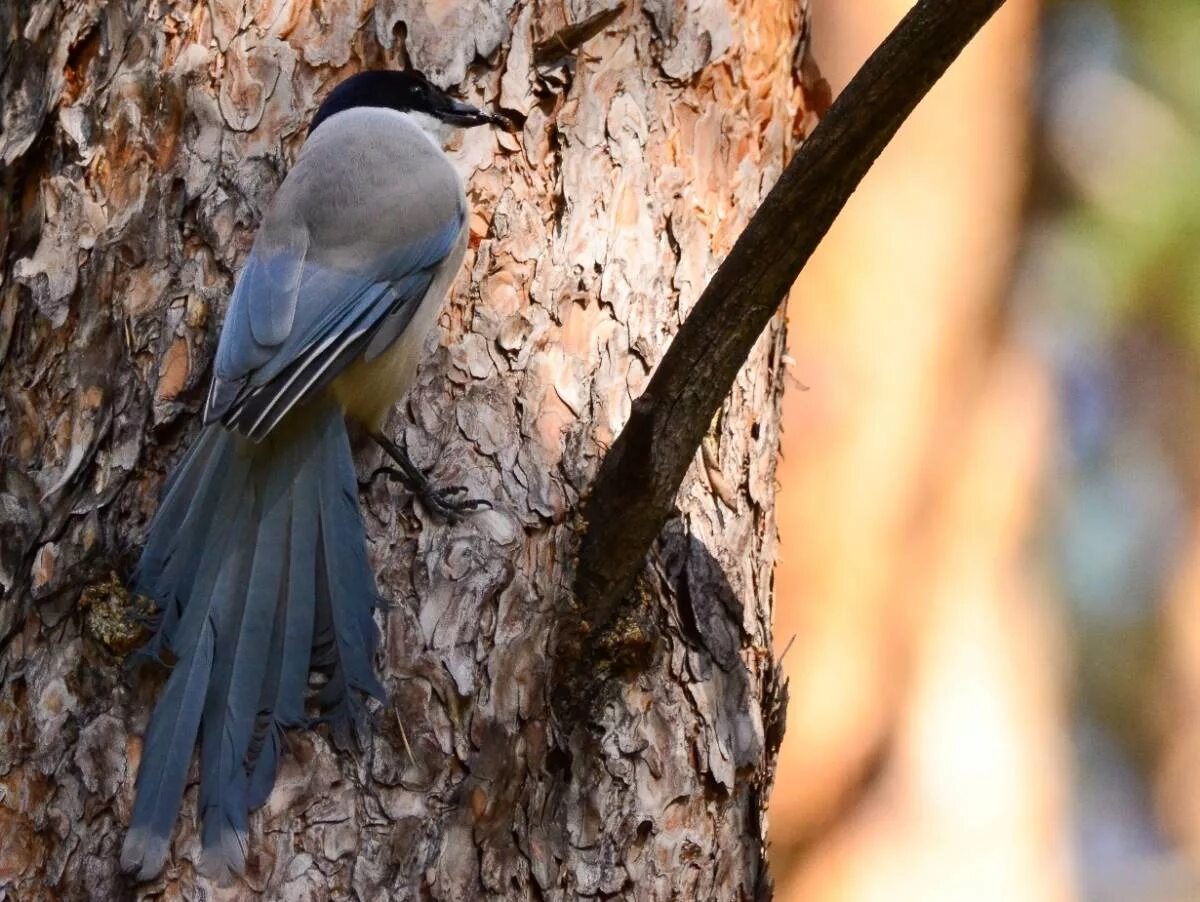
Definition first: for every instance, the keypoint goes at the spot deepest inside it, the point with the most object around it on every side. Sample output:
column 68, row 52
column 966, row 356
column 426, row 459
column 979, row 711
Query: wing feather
column 342, row 261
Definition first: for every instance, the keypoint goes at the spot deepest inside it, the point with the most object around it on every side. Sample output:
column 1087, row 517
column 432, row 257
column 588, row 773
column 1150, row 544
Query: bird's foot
column 442, row 501
column 445, row 502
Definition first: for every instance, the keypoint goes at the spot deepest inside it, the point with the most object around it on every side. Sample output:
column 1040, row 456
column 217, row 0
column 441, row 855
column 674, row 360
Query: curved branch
column 634, row 492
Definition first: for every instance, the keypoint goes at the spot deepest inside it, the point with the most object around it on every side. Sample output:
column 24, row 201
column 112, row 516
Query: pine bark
column 140, row 142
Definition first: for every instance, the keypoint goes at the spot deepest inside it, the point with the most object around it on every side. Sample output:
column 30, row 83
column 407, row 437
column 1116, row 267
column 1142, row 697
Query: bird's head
column 407, row 92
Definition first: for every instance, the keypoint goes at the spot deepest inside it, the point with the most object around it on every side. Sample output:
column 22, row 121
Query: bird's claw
column 445, row 503
column 441, row 501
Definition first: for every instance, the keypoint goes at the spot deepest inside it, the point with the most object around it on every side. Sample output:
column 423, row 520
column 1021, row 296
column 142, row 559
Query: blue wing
column 294, row 324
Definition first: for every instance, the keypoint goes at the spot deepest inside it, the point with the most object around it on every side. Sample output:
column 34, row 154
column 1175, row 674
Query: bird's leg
column 443, row 500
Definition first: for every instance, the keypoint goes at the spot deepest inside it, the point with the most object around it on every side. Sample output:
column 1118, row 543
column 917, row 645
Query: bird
column 256, row 557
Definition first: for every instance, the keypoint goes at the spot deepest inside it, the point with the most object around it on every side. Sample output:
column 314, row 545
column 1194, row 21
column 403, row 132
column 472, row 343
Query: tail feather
column 184, row 572
column 194, row 571
column 184, row 490
column 259, row 558
column 340, row 707
column 181, row 528
column 281, row 703
column 351, row 578
column 166, row 754
column 345, row 600
column 248, row 602
column 265, row 739
column 171, row 736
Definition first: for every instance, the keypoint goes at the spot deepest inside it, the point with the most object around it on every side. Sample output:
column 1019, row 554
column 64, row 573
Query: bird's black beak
column 466, row 116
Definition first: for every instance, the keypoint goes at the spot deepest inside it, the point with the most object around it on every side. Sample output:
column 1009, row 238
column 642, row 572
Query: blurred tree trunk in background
column 926, row 736
column 140, row 144
column 1177, row 714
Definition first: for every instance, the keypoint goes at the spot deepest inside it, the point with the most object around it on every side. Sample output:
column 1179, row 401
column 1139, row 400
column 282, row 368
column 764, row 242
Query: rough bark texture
column 635, row 490
column 140, row 141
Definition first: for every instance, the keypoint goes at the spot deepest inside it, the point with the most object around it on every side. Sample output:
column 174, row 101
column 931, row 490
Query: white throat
column 435, row 129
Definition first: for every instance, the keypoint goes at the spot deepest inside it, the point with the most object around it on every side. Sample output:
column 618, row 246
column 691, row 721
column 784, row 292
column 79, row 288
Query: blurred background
column 988, row 598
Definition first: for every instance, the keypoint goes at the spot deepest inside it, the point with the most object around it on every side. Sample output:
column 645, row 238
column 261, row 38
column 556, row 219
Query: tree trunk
column 140, row 143
column 928, row 736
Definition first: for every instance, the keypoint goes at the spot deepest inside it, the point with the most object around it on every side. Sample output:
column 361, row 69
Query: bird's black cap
column 407, row 91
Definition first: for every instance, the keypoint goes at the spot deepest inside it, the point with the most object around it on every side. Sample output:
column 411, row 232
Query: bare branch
column 634, row 492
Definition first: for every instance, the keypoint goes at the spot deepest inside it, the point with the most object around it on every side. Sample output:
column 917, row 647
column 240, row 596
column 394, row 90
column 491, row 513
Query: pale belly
column 368, row 389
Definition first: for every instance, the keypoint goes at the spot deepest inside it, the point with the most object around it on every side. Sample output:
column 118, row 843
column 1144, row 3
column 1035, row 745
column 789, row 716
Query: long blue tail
column 257, row 559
